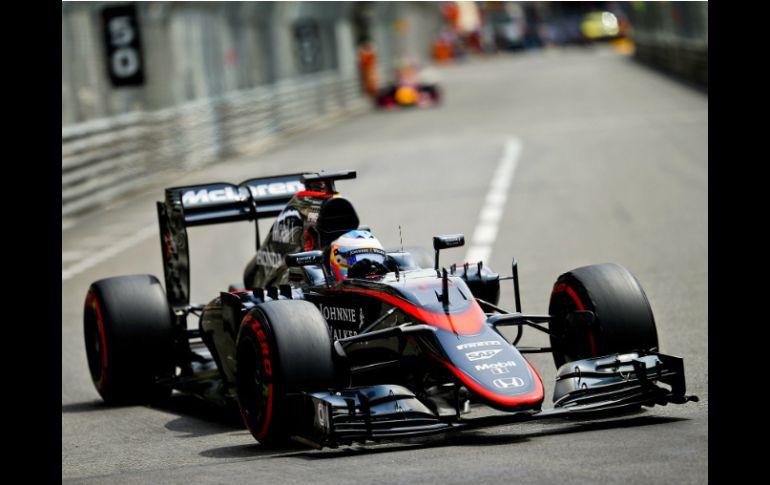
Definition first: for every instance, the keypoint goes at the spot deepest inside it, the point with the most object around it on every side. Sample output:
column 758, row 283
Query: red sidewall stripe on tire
column 264, row 349
column 91, row 300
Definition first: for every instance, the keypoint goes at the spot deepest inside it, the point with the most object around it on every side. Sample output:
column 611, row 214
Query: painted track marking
column 109, row 252
column 489, row 218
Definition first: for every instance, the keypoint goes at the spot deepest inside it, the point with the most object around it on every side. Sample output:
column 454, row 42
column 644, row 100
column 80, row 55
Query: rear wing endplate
column 215, row 203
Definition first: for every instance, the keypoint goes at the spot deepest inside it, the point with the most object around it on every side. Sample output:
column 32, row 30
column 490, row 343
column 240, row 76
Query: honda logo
column 508, row 382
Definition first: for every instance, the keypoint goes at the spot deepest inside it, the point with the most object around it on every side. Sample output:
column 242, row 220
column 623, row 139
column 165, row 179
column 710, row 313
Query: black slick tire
column 128, row 330
column 283, row 348
column 623, row 318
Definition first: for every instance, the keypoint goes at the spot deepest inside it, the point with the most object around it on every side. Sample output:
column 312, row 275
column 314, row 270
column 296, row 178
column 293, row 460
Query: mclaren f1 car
column 383, row 349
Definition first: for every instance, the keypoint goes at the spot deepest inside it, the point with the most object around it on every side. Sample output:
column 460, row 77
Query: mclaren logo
column 508, row 382
column 210, row 196
column 230, row 193
column 482, row 354
column 276, row 188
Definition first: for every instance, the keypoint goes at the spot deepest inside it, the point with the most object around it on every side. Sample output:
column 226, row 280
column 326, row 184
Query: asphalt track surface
column 613, row 167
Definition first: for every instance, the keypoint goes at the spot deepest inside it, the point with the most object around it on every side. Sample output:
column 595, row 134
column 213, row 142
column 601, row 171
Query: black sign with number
column 124, row 50
column 307, row 45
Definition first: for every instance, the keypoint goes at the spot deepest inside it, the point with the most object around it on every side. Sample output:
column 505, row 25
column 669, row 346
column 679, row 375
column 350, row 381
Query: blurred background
column 559, row 133
column 152, row 86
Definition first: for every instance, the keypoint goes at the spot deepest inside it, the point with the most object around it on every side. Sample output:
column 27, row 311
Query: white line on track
column 489, row 219
column 109, row 252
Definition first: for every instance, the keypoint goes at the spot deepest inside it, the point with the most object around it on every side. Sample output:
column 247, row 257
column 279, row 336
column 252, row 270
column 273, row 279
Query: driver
column 357, row 254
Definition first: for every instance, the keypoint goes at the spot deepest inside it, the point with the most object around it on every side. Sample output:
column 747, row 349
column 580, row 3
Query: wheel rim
column 572, row 346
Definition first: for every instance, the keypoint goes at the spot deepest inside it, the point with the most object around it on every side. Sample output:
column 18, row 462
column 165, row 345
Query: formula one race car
column 332, row 340
column 406, row 96
column 408, row 91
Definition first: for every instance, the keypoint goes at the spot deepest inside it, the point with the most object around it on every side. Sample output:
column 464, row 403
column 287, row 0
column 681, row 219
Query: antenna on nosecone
column 401, row 238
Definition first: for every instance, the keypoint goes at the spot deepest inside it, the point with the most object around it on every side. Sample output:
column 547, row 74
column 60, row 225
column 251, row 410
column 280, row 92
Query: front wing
column 607, row 384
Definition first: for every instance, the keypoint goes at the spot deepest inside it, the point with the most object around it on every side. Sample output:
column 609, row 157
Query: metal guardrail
column 673, row 37
column 103, row 159
column 686, row 59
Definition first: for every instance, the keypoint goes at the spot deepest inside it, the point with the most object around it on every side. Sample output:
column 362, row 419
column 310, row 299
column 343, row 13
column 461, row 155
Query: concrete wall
column 192, row 50
column 221, row 78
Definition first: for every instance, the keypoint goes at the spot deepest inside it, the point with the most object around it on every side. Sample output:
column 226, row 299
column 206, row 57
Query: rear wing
column 220, row 202
column 223, row 202
column 215, row 203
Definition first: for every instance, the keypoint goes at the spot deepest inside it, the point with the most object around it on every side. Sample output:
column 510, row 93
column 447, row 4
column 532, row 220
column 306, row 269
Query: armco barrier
column 688, row 60
column 103, row 159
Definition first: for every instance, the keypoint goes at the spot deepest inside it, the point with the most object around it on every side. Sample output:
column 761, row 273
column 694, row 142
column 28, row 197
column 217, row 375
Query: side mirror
column 448, row 241
column 445, row 242
column 303, row 259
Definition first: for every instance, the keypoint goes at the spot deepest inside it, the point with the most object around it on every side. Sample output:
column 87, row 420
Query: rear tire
column 283, row 347
column 623, row 318
column 128, row 332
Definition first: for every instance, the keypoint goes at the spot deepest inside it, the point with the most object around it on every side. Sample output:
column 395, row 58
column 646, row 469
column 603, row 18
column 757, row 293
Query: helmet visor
column 347, row 257
column 354, row 255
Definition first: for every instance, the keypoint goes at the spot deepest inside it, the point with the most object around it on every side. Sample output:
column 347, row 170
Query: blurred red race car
column 408, row 91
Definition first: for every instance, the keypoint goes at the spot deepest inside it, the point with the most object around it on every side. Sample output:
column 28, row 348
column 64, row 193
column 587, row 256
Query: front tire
column 283, row 348
column 128, row 332
column 623, row 318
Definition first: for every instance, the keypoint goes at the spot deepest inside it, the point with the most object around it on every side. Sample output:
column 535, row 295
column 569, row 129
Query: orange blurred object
column 623, row 46
column 451, row 13
column 367, row 62
column 406, row 95
column 442, row 50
